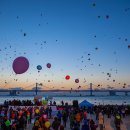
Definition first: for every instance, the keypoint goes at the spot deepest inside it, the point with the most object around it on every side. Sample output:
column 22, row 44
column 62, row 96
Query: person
column 76, row 125
column 59, row 116
column 54, row 103
column 85, row 114
column 21, row 124
column 101, row 121
column 64, row 118
column 50, row 112
column 62, row 103
column 118, row 122
column 51, row 103
column 78, row 118
column 123, row 113
column 36, row 125
column 71, row 119
column 61, row 127
column 55, row 124
column 97, row 113
column 93, row 126
column 85, row 125
column 13, row 126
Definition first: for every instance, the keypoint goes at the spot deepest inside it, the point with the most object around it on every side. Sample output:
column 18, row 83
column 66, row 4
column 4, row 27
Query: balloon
column 44, row 102
column 113, row 80
column 126, row 39
column 76, row 80
column 13, row 116
column 48, row 65
column 94, row 4
column 67, row 77
column 47, row 124
column 107, row 16
column 37, row 111
column 7, row 123
column 20, row 113
column 128, row 46
column 39, row 67
column 28, row 116
column 45, row 116
column 118, row 117
column 24, row 34
column 20, row 65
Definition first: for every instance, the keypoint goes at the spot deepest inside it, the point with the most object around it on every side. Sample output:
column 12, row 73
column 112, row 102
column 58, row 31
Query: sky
column 85, row 39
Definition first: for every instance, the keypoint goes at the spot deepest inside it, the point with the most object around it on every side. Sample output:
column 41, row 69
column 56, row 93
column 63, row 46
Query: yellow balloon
column 37, row 111
column 47, row 124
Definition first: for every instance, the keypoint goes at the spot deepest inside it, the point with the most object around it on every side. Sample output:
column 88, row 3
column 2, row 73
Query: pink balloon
column 48, row 65
column 45, row 116
column 20, row 65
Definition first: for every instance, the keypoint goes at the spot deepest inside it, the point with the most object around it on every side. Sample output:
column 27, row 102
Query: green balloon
column 44, row 102
column 7, row 123
column 28, row 116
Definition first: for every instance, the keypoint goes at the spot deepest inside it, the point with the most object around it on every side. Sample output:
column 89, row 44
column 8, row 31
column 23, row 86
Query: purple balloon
column 48, row 65
column 76, row 80
column 20, row 65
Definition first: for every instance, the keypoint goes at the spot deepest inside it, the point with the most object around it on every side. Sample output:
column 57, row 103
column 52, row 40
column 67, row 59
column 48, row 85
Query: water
column 94, row 99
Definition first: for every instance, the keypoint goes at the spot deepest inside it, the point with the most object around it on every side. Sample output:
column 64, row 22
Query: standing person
column 61, row 127
column 36, row 125
column 59, row 116
column 97, row 113
column 71, row 119
column 118, row 122
column 62, row 103
column 50, row 112
column 93, row 126
column 101, row 121
column 54, row 103
column 76, row 125
column 21, row 124
column 78, row 118
column 64, row 118
column 85, row 125
column 55, row 124
column 123, row 112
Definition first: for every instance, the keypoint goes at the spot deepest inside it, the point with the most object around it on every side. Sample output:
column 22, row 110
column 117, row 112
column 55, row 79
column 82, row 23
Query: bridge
column 36, row 91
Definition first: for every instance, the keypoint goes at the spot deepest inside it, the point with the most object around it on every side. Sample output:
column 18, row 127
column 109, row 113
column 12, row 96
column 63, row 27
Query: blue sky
column 63, row 33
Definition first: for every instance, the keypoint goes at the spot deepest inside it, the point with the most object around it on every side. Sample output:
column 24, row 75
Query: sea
column 96, row 100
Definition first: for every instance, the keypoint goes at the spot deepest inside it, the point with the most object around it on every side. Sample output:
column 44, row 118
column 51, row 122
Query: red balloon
column 128, row 46
column 20, row 65
column 76, row 80
column 67, row 77
column 48, row 65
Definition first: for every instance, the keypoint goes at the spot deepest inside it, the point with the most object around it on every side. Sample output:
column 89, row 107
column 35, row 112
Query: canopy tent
column 86, row 104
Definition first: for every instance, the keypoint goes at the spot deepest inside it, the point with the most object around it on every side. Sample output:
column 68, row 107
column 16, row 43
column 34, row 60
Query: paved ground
column 109, row 124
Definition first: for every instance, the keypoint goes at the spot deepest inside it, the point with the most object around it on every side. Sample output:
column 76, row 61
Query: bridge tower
column 91, row 89
column 112, row 93
column 13, row 92
column 36, row 88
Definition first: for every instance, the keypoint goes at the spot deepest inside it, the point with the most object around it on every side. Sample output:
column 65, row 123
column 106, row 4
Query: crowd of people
column 26, row 102
column 43, row 118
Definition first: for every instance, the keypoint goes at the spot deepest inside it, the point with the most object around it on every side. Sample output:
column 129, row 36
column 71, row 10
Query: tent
column 86, row 104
